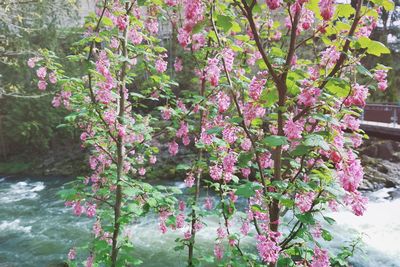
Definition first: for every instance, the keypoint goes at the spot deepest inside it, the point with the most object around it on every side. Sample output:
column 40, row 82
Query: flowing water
column 37, row 230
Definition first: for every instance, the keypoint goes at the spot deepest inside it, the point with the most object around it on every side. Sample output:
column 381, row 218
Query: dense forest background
column 29, row 126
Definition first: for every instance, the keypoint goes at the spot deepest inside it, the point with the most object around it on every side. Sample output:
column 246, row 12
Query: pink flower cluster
column 305, row 201
column 255, row 88
column 320, row 258
column 359, row 94
column 381, row 77
column 326, row 8
column 356, row 201
column 268, row 249
column 273, row 4
column 213, row 71
column 293, row 130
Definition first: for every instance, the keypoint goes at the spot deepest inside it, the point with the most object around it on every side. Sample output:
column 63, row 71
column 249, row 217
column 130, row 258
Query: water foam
column 14, row 226
column 20, row 191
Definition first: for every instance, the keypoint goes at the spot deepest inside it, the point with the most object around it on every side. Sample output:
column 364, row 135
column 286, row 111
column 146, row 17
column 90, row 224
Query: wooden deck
column 382, row 129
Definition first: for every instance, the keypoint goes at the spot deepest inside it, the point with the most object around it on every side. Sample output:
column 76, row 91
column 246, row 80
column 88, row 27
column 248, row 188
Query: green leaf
column 275, row 140
column 329, row 220
column 344, row 10
column 361, row 69
column 306, row 218
column 315, row 140
column 224, row 22
column 326, row 235
column 215, row 130
column 182, row 166
column 373, row 47
column 107, row 21
column 248, row 189
column 300, row 150
column 338, row 87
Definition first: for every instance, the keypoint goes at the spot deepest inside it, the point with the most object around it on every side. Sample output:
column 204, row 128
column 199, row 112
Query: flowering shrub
column 273, row 115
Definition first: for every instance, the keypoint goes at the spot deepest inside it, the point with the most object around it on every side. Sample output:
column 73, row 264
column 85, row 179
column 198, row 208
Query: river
column 36, row 230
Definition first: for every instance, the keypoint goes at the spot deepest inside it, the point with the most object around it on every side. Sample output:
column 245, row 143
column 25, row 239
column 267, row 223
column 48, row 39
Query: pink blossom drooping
column 161, row 65
column 293, row 129
column 255, row 88
column 268, row 249
column 173, row 148
column 304, row 201
column 212, row 71
column 326, row 9
column 357, row 202
column 273, row 4
column 320, row 258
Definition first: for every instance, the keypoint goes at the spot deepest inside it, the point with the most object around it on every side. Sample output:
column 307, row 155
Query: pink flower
column 53, row 77
column 246, row 144
column 245, row 228
column 193, row 10
column 308, row 96
column 90, row 210
column 266, row 161
column 351, row 122
column 142, row 171
column 187, row 235
column 122, row 22
column 208, row 203
column 173, row 148
column 180, row 220
column 198, row 41
column 72, row 254
column 152, row 25
column 221, row 233
column 212, row 71
column 32, row 62
column 219, row 251
column 333, row 205
column 351, row 173
column 358, row 96
column 329, row 56
column 216, row 172
column 293, row 129
column 41, row 72
column 89, row 261
column 183, row 130
column 304, row 201
column 255, row 88
column 42, row 85
column 316, row 231
column 267, row 249
column 161, row 65
column 273, row 4
column 326, row 8
column 307, row 19
column 189, row 181
column 135, row 36
column 356, row 201
column 166, row 113
column 171, row 2
column 78, row 208
column 229, row 134
column 178, row 64
column 245, row 172
column 182, row 205
column 183, row 37
column 224, row 101
column 320, row 258
column 229, row 162
column 153, row 159
column 229, row 57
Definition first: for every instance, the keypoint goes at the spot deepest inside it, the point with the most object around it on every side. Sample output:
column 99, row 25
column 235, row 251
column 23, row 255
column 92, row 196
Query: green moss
column 14, row 167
